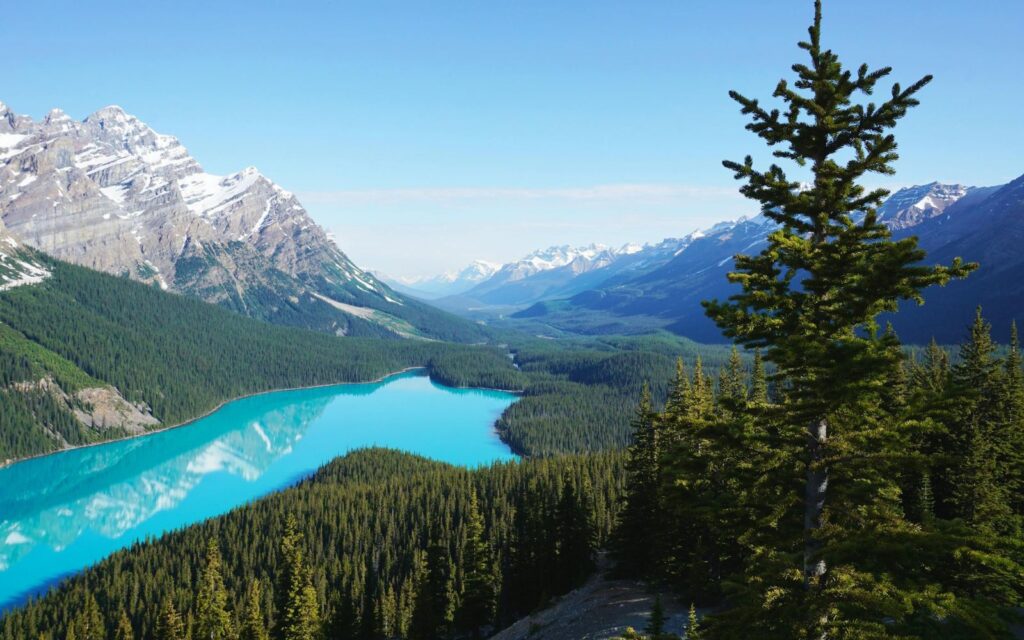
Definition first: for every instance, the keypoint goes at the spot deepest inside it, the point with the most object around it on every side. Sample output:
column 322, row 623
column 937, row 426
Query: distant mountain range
column 595, row 290
column 445, row 284
column 110, row 193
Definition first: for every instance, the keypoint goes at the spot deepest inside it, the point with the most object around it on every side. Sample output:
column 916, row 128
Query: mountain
column 911, row 206
column 18, row 266
column 445, row 284
column 983, row 224
column 986, row 227
column 554, row 272
column 110, row 193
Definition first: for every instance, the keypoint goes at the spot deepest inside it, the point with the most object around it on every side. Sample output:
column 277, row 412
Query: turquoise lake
column 64, row 512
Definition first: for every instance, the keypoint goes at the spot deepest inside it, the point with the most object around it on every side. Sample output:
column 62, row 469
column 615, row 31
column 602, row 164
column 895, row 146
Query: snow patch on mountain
column 911, row 206
column 17, row 266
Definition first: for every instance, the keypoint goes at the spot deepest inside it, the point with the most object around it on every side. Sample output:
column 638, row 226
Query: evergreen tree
column 575, row 533
column 811, row 299
column 344, row 621
column 124, row 630
column 680, row 389
column 693, row 631
column 213, row 622
column 732, row 387
column 759, row 381
column 89, row 624
column 435, row 597
column 979, row 493
column 656, row 626
column 634, row 543
column 702, row 399
column 169, row 625
column 479, row 597
column 253, row 626
column 298, row 615
column 1014, row 437
column 387, row 612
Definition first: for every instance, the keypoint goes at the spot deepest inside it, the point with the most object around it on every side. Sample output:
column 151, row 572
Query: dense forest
column 181, row 358
column 376, row 544
column 925, row 526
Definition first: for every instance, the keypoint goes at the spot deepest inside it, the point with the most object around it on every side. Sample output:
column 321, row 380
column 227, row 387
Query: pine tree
column 732, row 387
column 759, row 381
column 693, row 631
column 702, row 398
column 254, row 626
column 979, row 493
column 479, row 596
column 811, row 299
column 298, row 617
column 634, row 544
column 1014, row 437
column 387, row 613
column 169, row 625
column 435, row 597
column 124, row 630
column 344, row 621
column 656, row 626
column 213, row 622
column 576, row 536
column 89, row 624
column 680, row 389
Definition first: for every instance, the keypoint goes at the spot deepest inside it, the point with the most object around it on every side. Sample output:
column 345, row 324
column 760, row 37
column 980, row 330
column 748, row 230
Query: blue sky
column 427, row 134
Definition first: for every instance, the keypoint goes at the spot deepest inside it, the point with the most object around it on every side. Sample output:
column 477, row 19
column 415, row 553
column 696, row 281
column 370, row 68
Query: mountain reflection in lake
column 63, row 512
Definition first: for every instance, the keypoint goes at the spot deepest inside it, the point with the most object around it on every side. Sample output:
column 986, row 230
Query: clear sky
column 427, row 134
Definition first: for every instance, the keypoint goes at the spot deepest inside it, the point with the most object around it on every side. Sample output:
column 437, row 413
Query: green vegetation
column 869, row 496
column 375, row 544
column 181, row 358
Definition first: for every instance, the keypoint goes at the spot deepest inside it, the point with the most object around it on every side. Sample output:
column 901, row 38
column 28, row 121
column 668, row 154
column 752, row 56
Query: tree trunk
column 814, row 502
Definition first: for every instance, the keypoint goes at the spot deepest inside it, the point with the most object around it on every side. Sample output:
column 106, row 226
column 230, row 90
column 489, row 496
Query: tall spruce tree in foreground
column 810, row 300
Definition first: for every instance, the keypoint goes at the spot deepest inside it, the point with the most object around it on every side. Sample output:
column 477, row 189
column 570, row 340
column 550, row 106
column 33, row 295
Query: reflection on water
column 61, row 513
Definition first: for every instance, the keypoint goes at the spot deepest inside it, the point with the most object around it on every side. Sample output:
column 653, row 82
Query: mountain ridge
column 983, row 224
column 110, row 193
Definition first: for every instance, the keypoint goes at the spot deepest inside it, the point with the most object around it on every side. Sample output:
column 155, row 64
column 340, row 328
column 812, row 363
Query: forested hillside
column 376, row 544
column 162, row 359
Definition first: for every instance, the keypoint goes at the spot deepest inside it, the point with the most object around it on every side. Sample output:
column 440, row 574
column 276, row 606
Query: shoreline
column 13, row 461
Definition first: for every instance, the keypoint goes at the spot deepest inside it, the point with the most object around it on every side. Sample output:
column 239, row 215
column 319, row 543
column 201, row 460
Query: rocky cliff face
column 18, row 266
column 111, row 194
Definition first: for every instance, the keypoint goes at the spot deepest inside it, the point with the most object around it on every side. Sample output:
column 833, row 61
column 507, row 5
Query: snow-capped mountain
column 557, row 270
column 445, row 284
column 110, row 193
column 911, row 206
column 983, row 224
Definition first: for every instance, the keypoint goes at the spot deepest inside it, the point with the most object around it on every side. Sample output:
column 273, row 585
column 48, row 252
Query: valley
column 642, row 288
column 431, row 405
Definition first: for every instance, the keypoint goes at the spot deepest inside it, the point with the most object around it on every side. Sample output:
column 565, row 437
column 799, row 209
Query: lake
column 63, row 512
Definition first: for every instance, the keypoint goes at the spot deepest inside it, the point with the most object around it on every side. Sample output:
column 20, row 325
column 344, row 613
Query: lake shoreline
column 13, row 461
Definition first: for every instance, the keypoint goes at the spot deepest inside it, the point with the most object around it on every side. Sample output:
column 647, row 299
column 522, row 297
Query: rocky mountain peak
column 112, row 194
column 910, row 206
